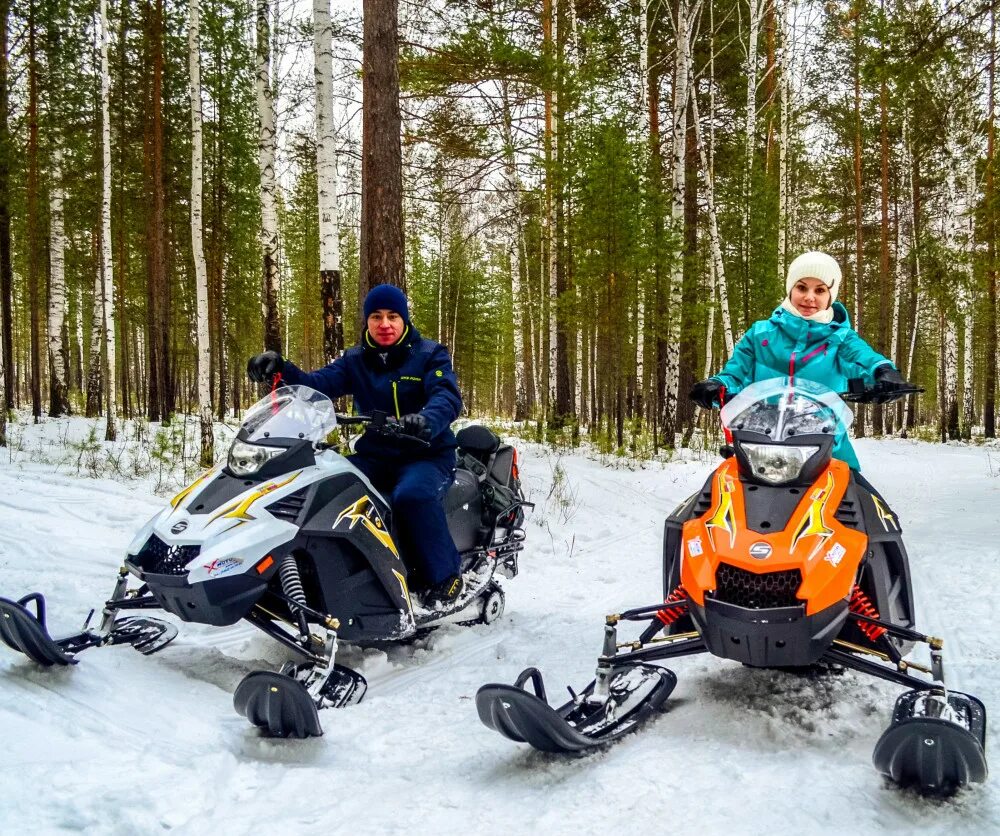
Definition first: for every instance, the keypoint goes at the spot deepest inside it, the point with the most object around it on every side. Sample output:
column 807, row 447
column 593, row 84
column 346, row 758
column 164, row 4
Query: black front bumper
column 218, row 601
column 767, row 638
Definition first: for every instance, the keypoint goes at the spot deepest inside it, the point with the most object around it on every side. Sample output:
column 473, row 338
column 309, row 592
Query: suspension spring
column 669, row 615
column 291, row 582
column 861, row 604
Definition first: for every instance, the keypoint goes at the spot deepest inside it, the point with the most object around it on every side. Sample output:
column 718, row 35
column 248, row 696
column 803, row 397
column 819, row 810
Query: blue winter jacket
column 415, row 375
column 786, row 345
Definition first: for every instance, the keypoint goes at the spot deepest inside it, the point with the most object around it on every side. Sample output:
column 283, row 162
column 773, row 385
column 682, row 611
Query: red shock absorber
column 669, row 615
column 863, row 606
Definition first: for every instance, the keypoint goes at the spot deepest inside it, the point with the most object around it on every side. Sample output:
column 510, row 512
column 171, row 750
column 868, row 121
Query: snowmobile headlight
column 246, row 459
column 777, row 463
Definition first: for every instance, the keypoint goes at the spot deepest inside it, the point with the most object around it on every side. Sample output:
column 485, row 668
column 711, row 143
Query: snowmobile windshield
column 782, row 408
column 290, row 412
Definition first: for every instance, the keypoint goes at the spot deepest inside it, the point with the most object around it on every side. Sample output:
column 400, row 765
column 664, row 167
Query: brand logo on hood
column 178, row 527
column 760, row 550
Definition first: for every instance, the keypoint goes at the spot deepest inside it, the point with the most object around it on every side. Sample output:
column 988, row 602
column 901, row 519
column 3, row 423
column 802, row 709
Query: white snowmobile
column 294, row 539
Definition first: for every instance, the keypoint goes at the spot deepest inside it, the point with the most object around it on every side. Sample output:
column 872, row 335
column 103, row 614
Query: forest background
column 593, row 199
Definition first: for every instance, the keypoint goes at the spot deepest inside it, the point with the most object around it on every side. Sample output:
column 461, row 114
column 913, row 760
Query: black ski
column 634, row 694
column 934, row 747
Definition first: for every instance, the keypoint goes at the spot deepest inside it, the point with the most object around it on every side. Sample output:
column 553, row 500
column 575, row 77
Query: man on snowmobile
column 394, row 370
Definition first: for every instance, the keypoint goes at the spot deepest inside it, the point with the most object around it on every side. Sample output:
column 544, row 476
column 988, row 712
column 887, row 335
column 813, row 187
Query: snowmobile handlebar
column 860, row 392
column 381, row 423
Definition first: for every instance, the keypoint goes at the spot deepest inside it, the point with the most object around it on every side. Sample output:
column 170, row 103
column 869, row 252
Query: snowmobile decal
column 365, row 512
column 177, row 500
column 886, row 517
column 813, row 521
column 724, row 515
column 240, row 510
column 406, row 589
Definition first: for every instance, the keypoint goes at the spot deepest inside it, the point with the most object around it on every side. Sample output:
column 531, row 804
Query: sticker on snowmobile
column 365, row 512
column 177, row 500
column 695, row 548
column 813, row 521
column 223, row 566
column 835, row 554
column 178, row 527
column 239, row 510
column 724, row 516
column 885, row 515
column 760, row 550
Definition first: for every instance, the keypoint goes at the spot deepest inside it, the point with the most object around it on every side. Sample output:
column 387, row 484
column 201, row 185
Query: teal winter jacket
column 786, row 345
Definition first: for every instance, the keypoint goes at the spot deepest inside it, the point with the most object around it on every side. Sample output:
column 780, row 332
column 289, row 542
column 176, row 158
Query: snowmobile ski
column 27, row 633
column 934, row 744
column 147, row 635
column 278, row 704
column 583, row 722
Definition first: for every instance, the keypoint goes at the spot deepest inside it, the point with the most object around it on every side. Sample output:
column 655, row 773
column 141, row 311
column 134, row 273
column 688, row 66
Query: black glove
column 261, row 368
column 888, row 382
column 705, row 393
column 886, row 374
column 416, row 425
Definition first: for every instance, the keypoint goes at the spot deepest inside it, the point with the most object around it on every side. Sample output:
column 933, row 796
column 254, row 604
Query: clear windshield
column 291, row 412
column 781, row 409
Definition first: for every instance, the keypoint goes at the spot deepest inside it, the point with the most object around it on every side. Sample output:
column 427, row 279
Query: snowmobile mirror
column 727, row 451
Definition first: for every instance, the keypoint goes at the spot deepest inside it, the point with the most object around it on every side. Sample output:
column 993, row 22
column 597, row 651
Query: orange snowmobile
column 786, row 558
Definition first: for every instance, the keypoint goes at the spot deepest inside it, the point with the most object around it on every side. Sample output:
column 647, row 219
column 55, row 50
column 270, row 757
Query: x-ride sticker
column 695, row 548
column 835, row 554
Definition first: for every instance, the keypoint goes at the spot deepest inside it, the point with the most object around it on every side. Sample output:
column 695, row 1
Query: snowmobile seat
column 478, row 440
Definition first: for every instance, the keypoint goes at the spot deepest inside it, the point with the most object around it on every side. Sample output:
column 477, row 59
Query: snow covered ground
column 123, row 743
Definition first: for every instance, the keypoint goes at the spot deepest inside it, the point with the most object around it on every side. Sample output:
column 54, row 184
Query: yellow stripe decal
column 395, row 399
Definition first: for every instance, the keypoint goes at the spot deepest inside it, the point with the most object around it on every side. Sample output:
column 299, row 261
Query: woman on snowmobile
column 394, row 370
column 809, row 336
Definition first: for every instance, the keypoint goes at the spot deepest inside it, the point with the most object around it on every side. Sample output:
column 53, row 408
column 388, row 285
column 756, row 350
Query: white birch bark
column 644, row 129
column 265, row 160
column 785, row 51
column 553, row 242
column 950, row 336
column 58, row 399
column 685, row 13
column 756, row 8
column 968, row 416
column 901, row 250
column 715, row 241
column 326, row 161
column 79, row 336
column 514, row 255
column 107, row 268
column 710, row 336
column 197, row 243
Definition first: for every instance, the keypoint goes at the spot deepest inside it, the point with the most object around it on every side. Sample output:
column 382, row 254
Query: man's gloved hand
column 261, row 368
column 416, row 425
column 705, row 393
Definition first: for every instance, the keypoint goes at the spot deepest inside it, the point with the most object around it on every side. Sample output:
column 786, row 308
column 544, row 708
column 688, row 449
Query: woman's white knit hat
column 815, row 265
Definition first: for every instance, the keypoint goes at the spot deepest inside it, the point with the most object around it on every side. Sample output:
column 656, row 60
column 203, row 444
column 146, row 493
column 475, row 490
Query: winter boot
column 442, row 595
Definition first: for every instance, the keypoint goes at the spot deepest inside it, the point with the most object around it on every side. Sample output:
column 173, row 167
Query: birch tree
column 756, row 12
column 197, row 243
column 265, row 162
column 58, row 385
column 326, row 179
column 107, row 271
column 686, row 13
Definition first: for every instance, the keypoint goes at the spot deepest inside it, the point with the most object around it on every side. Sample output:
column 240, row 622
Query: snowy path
column 128, row 744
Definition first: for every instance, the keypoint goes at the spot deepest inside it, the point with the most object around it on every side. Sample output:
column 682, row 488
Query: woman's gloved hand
column 705, row 393
column 416, row 425
column 261, row 368
column 888, row 381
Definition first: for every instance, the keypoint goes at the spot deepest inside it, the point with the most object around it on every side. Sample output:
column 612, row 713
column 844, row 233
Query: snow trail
column 123, row 743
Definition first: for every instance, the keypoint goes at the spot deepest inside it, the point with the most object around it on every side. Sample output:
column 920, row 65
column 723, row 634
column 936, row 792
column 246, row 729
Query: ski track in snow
column 123, row 744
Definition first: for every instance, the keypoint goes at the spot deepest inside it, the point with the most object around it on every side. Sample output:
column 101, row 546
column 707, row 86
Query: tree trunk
column 885, row 290
column 382, row 254
column 265, row 162
column 6, row 271
column 31, row 197
column 326, row 185
column 95, row 374
column 968, row 413
column 107, row 268
column 58, row 362
column 990, row 347
column 685, row 14
column 749, row 118
column 718, row 271
column 859, row 256
column 207, row 458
